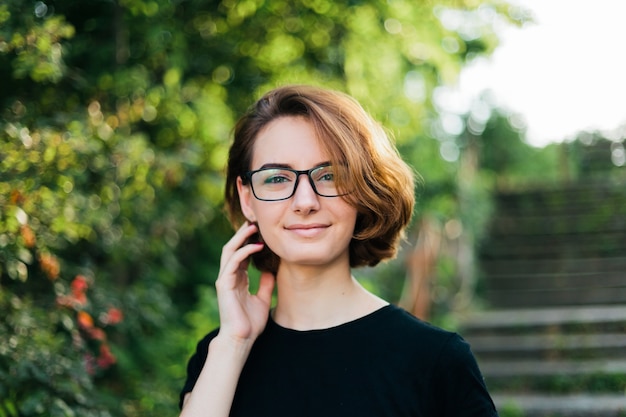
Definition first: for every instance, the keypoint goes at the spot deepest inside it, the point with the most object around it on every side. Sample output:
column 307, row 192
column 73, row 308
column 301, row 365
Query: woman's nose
column 305, row 198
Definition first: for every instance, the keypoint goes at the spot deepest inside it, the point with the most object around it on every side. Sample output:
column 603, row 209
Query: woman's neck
column 311, row 298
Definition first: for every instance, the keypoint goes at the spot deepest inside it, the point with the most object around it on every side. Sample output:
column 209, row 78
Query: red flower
column 97, row 334
column 50, row 266
column 85, row 321
column 79, row 285
column 106, row 358
column 113, row 316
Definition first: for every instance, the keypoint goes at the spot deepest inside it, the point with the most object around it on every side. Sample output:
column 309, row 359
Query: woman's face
column 306, row 229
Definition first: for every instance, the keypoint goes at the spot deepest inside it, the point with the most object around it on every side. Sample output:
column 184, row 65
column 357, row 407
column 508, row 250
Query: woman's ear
column 245, row 198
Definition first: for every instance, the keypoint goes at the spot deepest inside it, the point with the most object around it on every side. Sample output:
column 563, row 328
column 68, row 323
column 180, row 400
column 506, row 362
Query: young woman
column 316, row 188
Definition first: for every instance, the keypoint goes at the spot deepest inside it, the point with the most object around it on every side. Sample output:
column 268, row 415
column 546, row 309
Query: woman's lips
column 307, row 230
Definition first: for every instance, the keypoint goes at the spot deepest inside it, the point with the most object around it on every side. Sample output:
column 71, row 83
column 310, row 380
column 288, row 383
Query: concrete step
column 579, row 405
column 597, row 377
column 531, row 280
column 528, row 320
column 552, row 282
column 493, row 369
column 567, row 245
column 563, row 199
column 517, row 268
column 550, row 345
column 593, row 293
column 530, row 224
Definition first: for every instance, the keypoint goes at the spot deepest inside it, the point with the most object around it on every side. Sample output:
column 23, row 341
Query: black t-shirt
column 387, row 363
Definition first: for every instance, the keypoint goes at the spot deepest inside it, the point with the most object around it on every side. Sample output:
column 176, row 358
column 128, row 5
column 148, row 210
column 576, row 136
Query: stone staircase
column 553, row 341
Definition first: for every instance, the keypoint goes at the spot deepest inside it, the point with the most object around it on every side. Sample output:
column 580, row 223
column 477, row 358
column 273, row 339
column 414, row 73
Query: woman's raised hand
column 243, row 316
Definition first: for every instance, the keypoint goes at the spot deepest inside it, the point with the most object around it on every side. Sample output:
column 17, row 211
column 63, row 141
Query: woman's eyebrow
column 289, row 166
column 275, row 165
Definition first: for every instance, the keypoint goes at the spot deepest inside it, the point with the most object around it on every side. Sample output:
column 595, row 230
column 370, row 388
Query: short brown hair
column 381, row 184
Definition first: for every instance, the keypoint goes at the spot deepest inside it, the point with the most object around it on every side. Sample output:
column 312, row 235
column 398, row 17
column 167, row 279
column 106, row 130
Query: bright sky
column 564, row 74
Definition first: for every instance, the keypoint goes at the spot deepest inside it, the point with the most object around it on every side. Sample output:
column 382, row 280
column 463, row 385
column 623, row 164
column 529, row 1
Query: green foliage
column 48, row 357
column 511, row 409
column 591, row 156
column 505, row 155
column 115, row 121
column 599, row 383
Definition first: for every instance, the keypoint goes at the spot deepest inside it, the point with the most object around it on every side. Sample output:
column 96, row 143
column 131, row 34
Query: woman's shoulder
column 396, row 326
column 397, row 319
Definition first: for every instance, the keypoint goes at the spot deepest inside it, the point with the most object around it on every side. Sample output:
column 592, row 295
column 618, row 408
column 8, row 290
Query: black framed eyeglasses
column 275, row 184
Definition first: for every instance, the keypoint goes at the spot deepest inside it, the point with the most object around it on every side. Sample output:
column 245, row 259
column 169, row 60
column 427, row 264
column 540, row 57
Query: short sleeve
column 460, row 383
column 195, row 365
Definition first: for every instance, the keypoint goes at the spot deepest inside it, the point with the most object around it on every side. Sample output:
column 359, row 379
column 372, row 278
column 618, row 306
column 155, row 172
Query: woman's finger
column 238, row 261
column 237, row 241
column 266, row 287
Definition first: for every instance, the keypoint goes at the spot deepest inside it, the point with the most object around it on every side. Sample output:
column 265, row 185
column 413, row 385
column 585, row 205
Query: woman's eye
column 276, row 179
column 326, row 175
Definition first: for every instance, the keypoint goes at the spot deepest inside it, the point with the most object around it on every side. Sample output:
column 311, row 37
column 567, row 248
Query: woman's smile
column 307, row 230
